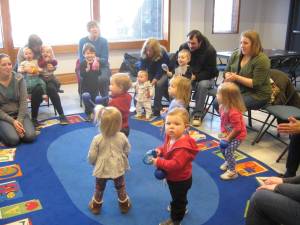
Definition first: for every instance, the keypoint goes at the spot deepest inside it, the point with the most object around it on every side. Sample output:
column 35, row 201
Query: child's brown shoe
column 95, row 206
column 125, row 205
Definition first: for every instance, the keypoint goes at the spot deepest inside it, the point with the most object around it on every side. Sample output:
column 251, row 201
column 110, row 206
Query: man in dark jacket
column 204, row 69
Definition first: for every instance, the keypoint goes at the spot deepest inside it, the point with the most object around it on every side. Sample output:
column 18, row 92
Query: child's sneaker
column 186, row 209
column 224, row 166
column 170, row 222
column 95, row 206
column 229, row 175
column 124, row 205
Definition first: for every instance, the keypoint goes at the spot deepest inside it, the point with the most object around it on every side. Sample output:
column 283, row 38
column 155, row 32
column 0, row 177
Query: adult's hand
column 269, row 187
column 273, row 180
column 154, row 81
column 230, row 77
column 293, row 127
column 19, row 128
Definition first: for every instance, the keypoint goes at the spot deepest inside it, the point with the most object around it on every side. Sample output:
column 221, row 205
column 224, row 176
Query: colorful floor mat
column 50, row 181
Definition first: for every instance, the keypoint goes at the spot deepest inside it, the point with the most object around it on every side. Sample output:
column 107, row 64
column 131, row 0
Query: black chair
column 286, row 104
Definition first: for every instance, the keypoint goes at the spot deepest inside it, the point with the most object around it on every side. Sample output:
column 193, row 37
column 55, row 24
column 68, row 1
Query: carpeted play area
column 50, row 181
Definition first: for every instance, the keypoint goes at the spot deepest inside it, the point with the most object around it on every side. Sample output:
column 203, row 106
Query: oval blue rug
column 56, row 172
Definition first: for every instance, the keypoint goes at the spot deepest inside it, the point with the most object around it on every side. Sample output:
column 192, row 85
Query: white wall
column 268, row 17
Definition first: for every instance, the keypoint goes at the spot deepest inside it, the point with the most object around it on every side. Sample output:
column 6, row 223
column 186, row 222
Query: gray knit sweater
column 109, row 155
column 17, row 104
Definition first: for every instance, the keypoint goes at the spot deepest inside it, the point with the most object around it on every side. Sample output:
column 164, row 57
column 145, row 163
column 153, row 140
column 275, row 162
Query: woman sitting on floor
column 15, row 123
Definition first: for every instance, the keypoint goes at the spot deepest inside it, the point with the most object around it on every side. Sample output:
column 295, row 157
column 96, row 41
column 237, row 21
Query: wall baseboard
column 70, row 78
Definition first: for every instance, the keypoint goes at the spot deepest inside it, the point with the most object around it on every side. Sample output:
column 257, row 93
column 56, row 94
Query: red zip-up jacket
column 177, row 160
column 122, row 102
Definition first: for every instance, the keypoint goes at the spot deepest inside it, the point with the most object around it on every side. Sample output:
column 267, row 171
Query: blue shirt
column 101, row 47
column 154, row 67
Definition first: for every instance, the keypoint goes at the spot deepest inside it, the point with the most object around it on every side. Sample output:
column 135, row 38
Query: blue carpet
column 56, row 171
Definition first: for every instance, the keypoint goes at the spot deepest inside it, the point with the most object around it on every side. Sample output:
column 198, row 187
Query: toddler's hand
column 158, row 151
column 193, row 77
column 154, row 161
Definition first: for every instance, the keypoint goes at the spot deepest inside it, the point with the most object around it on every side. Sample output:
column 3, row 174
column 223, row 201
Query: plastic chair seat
column 283, row 112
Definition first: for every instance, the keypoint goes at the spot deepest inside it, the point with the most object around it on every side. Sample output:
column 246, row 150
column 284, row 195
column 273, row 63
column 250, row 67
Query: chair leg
column 263, row 133
column 282, row 154
column 207, row 107
column 261, row 130
column 249, row 118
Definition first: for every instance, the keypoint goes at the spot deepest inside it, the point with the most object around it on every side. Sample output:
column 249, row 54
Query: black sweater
column 203, row 60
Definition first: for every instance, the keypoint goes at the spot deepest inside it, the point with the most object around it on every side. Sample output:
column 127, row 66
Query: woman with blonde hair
column 248, row 67
column 153, row 55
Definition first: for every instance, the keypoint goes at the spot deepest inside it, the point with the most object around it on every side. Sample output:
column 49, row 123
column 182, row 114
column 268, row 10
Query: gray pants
column 9, row 136
column 104, row 81
column 202, row 88
column 270, row 208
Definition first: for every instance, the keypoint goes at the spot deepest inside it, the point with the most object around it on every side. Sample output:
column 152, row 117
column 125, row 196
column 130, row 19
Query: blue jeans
column 202, row 88
column 9, row 136
column 270, row 208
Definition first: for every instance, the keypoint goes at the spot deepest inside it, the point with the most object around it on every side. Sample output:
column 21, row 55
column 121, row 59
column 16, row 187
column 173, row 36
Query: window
column 56, row 22
column 226, row 16
column 126, row 24
column 1, row 34
column 141, row 19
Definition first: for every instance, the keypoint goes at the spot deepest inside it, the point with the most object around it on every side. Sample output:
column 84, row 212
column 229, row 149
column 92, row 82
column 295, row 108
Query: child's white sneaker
column 229, row 175
column 224, row 166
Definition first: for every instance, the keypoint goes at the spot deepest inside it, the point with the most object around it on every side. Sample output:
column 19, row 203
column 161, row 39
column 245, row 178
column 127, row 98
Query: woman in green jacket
column 249, row 68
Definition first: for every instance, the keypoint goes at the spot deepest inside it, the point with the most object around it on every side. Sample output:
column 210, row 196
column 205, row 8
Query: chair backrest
column 77, row 70
column 288, row 94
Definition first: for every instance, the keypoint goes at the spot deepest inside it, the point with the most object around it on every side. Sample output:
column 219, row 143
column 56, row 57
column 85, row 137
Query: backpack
column 130, row 64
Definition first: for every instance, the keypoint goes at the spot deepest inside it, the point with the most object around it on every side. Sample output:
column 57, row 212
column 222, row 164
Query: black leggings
column 37, row 99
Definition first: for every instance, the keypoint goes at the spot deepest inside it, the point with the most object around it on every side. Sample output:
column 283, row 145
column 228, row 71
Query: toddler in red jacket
column 175, row 158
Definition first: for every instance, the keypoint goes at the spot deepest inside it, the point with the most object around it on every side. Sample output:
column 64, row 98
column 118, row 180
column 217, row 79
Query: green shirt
column 9, row 91
column 257, row 69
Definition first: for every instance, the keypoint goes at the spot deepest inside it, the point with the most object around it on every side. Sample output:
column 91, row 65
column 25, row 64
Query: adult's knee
column 259, row 198
column 12, row 140
column 29, row 137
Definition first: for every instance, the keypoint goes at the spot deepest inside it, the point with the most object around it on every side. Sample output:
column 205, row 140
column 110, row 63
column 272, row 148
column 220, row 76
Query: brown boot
column 125, row 205
column 95, row 206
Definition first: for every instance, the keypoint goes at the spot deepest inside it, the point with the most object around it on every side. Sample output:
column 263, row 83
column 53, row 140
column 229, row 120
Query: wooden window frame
column 9, row 48
column 235, row 17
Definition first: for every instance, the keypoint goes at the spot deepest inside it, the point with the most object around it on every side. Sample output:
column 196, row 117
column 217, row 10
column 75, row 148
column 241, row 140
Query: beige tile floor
column 267, row 150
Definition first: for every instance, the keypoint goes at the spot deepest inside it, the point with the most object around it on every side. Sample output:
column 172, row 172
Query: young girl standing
column 110, row 161
column 175, row 157
column 233, row 126
column 180, row 90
